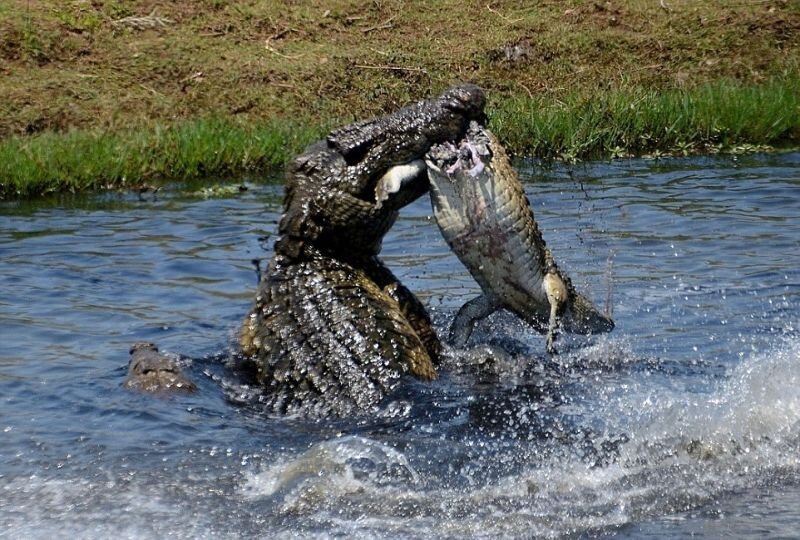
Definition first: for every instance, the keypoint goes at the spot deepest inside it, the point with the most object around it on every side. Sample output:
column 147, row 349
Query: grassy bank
column 716, row 117
column 107, row 93
column 82, row 160
column 712, row 118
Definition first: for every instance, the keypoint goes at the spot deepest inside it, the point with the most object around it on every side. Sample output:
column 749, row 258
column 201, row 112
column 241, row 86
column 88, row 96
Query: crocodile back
column 330, row 339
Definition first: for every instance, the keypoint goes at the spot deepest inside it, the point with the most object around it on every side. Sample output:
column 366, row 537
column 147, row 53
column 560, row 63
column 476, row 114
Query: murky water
column 685, row 420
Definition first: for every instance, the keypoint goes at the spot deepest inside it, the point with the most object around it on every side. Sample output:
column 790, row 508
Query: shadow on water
column 685, row 420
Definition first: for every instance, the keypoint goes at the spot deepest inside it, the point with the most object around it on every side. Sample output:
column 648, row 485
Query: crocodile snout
column 466, row 99
column 151, row 371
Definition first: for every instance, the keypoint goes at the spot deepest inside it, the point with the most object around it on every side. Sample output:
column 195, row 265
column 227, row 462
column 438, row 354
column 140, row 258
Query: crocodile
column 487, row 220
column 153, row 372
column 332, row 330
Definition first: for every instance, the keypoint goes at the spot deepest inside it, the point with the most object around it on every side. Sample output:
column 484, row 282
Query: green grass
column 92, row 160
column 711, row 118
column 714, row 117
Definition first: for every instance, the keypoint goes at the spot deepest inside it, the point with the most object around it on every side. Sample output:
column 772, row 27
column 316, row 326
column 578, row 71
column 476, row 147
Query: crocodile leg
column 470, row 313
column 557, row 295
column 413, row 310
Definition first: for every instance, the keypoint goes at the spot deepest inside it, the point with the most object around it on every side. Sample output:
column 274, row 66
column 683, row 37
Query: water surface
column 685, row 420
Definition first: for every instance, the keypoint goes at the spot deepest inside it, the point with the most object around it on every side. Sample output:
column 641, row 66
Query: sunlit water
column 684, row 420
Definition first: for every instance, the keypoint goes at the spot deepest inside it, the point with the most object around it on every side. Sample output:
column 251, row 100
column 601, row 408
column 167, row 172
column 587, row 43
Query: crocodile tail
column 584, row 318
column 339, row 343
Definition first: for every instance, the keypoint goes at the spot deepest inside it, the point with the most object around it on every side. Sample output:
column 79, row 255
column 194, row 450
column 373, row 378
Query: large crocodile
column 332, row 329
column 487, row 220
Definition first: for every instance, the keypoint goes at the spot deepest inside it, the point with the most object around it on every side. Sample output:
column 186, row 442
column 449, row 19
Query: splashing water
column 684, row 420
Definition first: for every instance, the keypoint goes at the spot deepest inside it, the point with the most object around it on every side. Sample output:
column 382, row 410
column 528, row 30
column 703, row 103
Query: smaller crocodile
column 485, row 217
column 151, row 371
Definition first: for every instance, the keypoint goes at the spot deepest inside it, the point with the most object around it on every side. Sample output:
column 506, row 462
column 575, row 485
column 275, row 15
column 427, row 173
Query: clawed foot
column 552, row 333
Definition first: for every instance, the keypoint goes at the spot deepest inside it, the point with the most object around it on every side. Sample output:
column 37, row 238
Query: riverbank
column 109, row 94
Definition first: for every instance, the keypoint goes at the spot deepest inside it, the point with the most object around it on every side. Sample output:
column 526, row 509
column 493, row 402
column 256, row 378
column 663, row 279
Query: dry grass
column 77, row 63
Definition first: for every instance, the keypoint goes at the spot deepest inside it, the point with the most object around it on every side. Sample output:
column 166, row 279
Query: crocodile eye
column 145, row 371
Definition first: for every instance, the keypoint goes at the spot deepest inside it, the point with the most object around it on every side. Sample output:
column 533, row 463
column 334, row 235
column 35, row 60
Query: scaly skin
column 332, row 330
column 485, row 217
column 151, row 371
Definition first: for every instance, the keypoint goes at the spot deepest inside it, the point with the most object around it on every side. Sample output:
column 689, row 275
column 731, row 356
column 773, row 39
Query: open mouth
column 469, row 156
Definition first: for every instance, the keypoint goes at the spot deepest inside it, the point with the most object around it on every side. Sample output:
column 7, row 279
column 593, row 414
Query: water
column 685, row 420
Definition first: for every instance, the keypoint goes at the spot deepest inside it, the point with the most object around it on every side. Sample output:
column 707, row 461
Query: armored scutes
column 332, row 330
column 151, row 371
column 484, row 216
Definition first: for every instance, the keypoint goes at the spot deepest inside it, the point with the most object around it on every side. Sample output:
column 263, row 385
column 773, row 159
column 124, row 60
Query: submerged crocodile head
column 151, row 371
column 485, row 217
column 338, row 197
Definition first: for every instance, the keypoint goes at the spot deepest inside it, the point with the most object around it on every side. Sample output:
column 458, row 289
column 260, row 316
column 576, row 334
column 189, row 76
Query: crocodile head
column 338, row 197
column 150, row 371
column 485, row 217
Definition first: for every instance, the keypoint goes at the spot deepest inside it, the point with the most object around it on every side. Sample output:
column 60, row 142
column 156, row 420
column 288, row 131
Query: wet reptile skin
column 153, row 372
column 332, row 330
column 487, row 220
